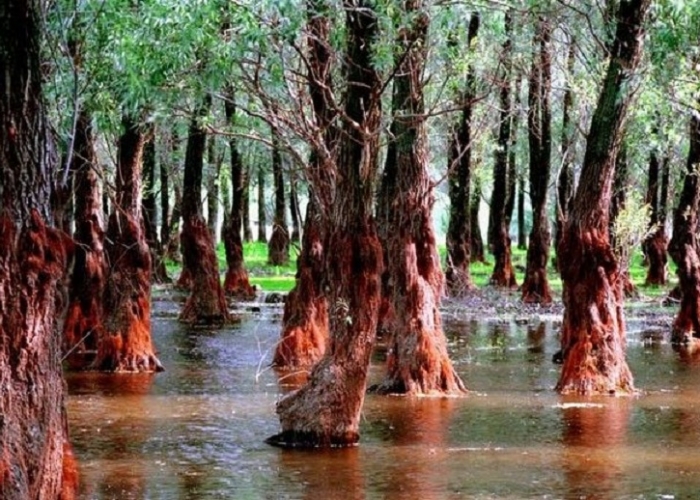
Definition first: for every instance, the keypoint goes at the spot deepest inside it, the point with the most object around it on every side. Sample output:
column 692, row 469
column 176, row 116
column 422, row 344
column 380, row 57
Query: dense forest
column 386, row 145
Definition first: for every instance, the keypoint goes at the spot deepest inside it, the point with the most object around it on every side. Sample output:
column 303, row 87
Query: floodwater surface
column 197, row 430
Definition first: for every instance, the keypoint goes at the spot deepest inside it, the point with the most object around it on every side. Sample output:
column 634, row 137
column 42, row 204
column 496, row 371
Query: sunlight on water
column 196, row 431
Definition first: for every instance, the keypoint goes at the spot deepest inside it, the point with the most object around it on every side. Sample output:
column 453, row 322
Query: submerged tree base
column 307, row 440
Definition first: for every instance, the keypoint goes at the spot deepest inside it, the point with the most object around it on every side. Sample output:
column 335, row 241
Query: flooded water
column 196, row 431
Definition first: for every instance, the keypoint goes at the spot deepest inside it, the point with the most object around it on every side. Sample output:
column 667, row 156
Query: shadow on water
column 196, row 431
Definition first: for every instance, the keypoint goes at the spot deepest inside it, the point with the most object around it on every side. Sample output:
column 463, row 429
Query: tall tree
column 418, row 362
column 278, row 246
column 503, row 272
column 539, row 119
column 262, row 214
column 247, row 229
column 159, row 273
column 206, row 304
column 459, row 230
column 476, row 241
column 684, row 248
column 654, row 244
column 593, row 328
column 326, row 411
column 125, row 343
column 33, row 433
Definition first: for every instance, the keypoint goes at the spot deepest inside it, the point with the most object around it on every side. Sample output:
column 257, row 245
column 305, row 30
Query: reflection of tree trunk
column 125, row 344
column 278, row 246
column 33, row 438
column 476, row 242
column 206, row 304
column 458, row 232
column 84, row 316
column 499, row 239
column 536, row 285
column 236, row 282
column 262, row 216
column 593, row 329
column 418, row 362
column 326, row 411
column 684, row 247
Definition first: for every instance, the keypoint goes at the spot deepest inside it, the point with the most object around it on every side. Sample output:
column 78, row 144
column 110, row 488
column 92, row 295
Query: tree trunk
column 565, row 183
column 535, row 287
column 621, row 186
column 654, row 245
column 33, row 431
column 327, row 410
column 159, row 273
column 247, row 229
column 236, row 282
column 593, row 329
column 499, row 239
column 206, row 304
column 418, row 362
column 125, row 343
column 294, row 211
column 684, row 248
column 476, row 242
column 512, row 165
column 278, row 246
column 522, row 238
column 305, row 322
column 214, row 160
column 262, row 215
column 459, row 281
column 83, row 323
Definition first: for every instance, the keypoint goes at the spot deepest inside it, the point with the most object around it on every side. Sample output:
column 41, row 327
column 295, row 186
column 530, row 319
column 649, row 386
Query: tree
column 262, row 216
column 33, row 434
column 459, row 230
column 125, row 344
column 684, row 248
column 654, row 245
column 159, row 273
column 503, row 273
column 593, row 328
column 536, row 286
column 418, row 362
column 326, row 411
column 278, row 246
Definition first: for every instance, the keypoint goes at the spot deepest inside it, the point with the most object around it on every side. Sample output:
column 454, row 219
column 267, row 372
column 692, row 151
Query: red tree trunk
column 655, row 244
column 593, row 329
column 83, row 324
column 503, row 271
column 206, row 304
column 418, row 362
column 125, row 343
column 33, row 433
column 684, row 247
column 535, row 287
column 326, row 411
column 459, row 231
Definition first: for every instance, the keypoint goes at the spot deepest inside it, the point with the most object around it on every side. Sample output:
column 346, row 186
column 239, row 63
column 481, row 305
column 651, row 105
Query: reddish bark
column 457, row 274
column 418, row 362
column 125, row 344
column 32, row 263
column 535, row 287
column 84, row 317
column 327, row 410
column 654, row 245
column 684, row 248
column 593, row 329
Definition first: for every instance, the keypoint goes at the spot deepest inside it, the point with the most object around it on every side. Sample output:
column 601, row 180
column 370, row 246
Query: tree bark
column 125, row 343
column 621, row 186
column 159, row 273
column 262, row 215
column 459, row 280
column 511, row 189
column 247, row 229
column 84, row 318
column 214, row 159
column 206, row 304
column 593, row 329
column 294, row 211
column 522, row 234
column 503, row 273
column 654, row 245
column 535, row 287
column 326, row 411
column 278, row 246
column 684, row 248
column 476, row 242
column 418, row 362
column 236, row 282
column 33, row 430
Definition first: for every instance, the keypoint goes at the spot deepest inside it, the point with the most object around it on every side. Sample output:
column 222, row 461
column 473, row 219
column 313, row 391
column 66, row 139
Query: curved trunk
column 327, row 410
column 206, row 304
column 278, row 246
column 418, row 362
column 84, row 317
column 593, row 329
column 684, row 247
column 499, row 239
column 236, row 282
column 535, row 287
column 33, row 433
column 125, row 342
column 457, row 274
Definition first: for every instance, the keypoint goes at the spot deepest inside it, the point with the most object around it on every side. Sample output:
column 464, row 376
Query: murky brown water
column 197, row 430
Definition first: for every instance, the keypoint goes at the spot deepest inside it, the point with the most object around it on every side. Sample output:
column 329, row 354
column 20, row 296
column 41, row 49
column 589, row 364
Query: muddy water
column 196, row 431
